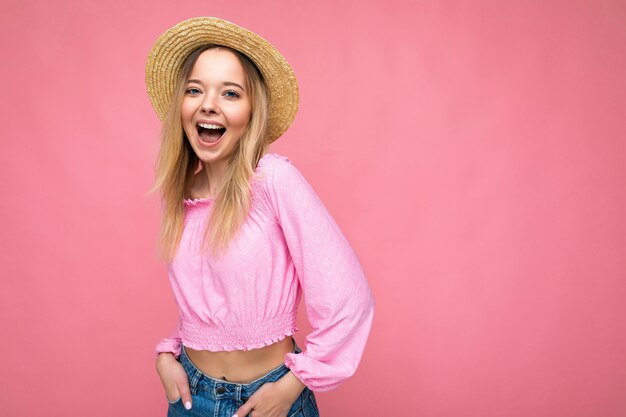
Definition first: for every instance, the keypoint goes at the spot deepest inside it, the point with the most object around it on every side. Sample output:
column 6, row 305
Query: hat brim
column 172, row 48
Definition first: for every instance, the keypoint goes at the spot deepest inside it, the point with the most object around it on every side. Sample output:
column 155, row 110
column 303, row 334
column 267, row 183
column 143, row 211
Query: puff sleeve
column 172, row 343
column 338, row 299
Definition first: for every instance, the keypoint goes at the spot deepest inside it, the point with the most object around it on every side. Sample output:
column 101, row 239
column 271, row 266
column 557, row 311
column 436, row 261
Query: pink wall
column 473, row 153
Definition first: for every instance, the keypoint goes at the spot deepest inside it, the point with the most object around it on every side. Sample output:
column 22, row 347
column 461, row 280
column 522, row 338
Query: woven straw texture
column 172, row 47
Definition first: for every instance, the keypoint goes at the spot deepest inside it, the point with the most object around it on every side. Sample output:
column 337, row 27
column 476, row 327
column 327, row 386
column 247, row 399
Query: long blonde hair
column 177, row 163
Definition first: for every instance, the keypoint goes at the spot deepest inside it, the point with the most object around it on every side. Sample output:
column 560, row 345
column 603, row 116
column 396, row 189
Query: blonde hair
column 177, row 163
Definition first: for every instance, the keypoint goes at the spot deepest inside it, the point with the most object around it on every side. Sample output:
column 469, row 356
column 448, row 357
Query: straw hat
column 170, row 50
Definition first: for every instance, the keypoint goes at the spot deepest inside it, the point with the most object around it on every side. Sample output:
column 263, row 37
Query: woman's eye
column 231, row 93
column 193, row 90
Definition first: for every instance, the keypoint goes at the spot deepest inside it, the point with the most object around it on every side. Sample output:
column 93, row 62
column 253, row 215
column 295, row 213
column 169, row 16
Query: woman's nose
column 209, row 104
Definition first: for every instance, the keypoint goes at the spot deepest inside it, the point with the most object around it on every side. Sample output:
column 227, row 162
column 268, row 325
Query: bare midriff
column 241, row 366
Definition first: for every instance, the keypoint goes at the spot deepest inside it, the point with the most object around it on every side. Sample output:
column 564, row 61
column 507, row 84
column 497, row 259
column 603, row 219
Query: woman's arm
column 338, row 299
column 171, row 372
column 174, row 378
column 273, row 399
column 172, row 343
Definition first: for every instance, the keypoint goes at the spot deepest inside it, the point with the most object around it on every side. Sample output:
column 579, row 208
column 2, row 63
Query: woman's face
column 216, row 108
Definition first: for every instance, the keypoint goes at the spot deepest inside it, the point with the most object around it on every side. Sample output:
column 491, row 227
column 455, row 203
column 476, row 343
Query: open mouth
column 210, row 133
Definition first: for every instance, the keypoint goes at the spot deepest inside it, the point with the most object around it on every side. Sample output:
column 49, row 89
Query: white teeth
column 210, row 126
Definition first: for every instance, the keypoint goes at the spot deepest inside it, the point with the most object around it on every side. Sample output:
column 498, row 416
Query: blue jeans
column 213, row 397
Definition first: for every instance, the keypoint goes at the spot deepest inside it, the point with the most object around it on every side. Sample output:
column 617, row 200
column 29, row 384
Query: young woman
column 245, row 235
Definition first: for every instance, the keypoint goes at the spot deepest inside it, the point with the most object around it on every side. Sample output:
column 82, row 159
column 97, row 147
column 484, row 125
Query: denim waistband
column 219, row 388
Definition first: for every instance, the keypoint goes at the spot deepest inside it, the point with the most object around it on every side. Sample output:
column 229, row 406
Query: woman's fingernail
column 188, row 405
column 235, row 415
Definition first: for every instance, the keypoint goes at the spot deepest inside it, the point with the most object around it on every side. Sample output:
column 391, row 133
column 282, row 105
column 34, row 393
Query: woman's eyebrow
column 224, row 83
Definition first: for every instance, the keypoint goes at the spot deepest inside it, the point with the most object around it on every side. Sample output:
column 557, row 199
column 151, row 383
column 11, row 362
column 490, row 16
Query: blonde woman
column 245, row 236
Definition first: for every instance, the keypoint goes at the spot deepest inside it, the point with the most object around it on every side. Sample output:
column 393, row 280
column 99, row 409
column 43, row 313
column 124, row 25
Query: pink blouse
column 288, row 245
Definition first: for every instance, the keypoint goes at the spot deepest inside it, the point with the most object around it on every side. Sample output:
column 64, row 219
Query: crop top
column 288, row 245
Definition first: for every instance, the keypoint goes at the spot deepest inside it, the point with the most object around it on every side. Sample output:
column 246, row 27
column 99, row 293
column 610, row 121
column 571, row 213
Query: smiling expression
column 216, row 106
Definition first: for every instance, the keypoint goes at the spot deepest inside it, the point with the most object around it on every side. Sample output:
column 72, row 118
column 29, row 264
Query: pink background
column 473, row 152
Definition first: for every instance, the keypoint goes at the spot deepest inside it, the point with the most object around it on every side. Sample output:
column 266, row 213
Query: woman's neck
column 205, row 181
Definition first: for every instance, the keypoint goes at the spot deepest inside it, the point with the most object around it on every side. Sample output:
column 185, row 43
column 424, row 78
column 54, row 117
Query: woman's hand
column 174, row 378
column 273, row 399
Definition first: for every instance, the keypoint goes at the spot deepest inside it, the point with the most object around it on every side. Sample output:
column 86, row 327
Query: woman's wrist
column 164, row 358
column 291, row 384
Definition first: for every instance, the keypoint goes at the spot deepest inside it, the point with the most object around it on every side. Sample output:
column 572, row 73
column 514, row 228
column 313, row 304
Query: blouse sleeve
column 170, row 344
column 338, row 299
